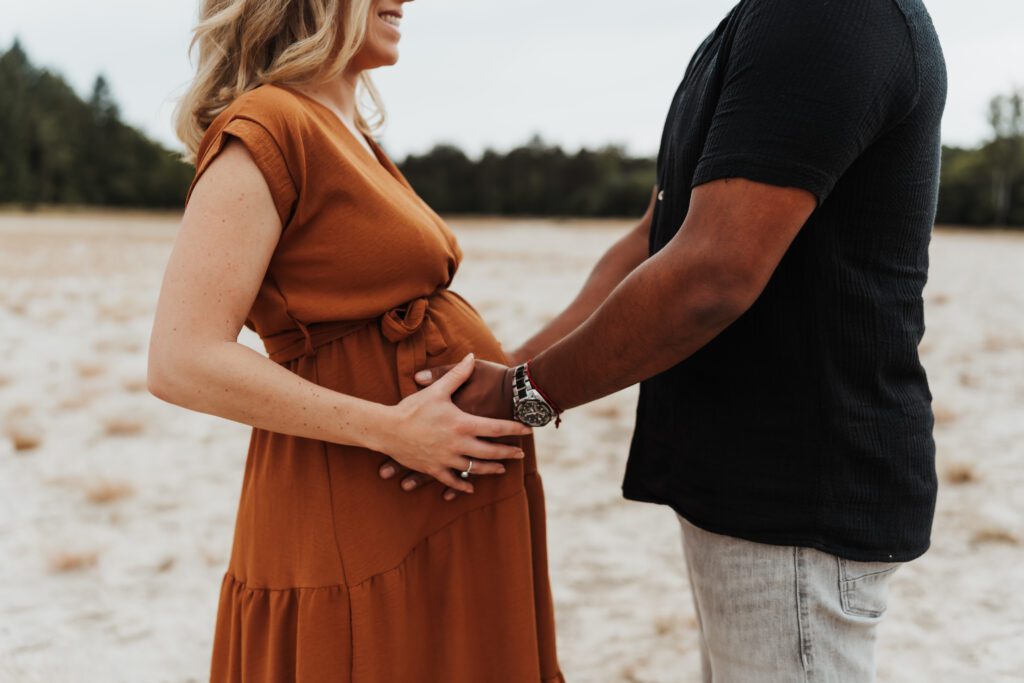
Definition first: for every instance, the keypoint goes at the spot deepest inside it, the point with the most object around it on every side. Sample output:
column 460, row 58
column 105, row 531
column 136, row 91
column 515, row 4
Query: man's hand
column 487, row 393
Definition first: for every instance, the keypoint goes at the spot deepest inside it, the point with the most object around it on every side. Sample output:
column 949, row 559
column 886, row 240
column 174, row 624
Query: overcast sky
column 493, row 72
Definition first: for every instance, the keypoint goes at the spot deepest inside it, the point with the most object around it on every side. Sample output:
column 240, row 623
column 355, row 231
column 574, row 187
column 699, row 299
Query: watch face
column 533, row 412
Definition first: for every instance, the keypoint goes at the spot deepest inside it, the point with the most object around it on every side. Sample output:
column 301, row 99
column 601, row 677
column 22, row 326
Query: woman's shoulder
column 273, row 107
column 268, row 115
column 269, row 121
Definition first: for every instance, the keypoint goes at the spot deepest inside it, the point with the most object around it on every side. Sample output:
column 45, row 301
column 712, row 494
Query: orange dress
column 336, row 574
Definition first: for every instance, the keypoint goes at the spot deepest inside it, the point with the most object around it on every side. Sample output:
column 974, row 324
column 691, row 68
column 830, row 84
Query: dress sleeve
column 808, row 87
column 264, row 150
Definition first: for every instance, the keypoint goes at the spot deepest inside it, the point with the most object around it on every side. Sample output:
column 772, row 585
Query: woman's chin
column 376, row 59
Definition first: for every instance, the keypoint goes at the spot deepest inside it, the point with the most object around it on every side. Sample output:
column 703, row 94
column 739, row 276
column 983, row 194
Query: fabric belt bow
column 417, row 337
column 408, row 326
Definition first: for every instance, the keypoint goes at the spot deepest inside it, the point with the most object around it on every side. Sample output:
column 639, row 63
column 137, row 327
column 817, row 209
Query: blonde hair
column 247, row 43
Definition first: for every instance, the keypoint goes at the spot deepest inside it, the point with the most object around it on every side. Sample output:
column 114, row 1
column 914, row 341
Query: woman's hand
column 488, row 392
column 429, row 434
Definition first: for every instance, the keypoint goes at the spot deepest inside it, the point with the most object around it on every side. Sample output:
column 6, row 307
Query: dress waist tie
column 408, row 326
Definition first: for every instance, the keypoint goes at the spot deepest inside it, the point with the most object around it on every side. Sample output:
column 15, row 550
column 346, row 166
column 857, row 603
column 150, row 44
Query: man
column 783, row 413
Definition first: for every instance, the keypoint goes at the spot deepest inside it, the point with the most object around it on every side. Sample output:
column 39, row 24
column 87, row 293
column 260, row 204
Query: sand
column 116, row 510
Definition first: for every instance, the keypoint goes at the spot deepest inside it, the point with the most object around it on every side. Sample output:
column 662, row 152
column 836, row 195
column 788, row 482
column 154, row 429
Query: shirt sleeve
column 808, row 87
column 265, row 152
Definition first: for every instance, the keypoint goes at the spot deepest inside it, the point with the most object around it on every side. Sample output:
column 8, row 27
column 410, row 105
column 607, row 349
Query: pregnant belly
column 378, row 361
column 463, row 329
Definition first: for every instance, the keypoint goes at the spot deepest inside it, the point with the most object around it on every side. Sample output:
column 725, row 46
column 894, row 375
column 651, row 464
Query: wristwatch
column 528, row 404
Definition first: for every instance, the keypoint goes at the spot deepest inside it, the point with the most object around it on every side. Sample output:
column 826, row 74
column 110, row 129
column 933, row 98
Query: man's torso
column 808, row 421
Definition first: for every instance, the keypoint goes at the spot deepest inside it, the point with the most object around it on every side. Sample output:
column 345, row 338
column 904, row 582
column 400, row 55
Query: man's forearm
column 663, row 312
column 709, row 273
column 619, row 261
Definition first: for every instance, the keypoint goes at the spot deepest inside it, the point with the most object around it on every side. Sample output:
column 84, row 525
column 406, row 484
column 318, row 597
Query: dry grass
column 69, row 561
column 123, row 425
column 998, row 344
column 629, row 675
column 606, row 411
column 995, row 535
column 664, row 626
column 212, row 558
column 116, row 313
column 76, row 401
column 106, row 491
column 962, row 473
column 966, row 379
column 117, row 345
column 135, row 385
column 24, row 439
column 22, row 429
column 944, row 415
column 54, row 315
column 89, row 368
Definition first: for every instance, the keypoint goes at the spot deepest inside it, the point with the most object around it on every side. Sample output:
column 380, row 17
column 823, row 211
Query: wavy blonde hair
column 247, row 43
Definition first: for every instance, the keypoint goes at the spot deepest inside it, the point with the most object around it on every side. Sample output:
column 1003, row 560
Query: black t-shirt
column 808, row 421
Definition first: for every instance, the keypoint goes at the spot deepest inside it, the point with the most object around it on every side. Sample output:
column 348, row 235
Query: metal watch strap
column 520, row 384
column 523, row 392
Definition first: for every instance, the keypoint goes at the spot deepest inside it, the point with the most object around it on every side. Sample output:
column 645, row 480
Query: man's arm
column 619, row 261
column 707, row 276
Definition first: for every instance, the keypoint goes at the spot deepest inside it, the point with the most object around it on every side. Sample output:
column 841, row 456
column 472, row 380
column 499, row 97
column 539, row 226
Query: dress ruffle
column 273, row 635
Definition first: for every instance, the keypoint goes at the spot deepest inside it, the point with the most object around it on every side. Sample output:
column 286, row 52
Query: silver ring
column 465, row 475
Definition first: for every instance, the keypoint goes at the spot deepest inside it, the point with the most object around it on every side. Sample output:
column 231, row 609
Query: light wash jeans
column 782, row 614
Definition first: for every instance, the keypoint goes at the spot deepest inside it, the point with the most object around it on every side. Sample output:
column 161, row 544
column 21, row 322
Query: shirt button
column 661, row 195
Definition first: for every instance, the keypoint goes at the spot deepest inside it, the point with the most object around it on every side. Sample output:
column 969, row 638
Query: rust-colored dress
column 335, row 574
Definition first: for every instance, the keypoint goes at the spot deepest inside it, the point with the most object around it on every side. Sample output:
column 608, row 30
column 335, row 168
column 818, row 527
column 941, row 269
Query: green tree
column 1006, row 151
column 535, row 179
column 58, row 149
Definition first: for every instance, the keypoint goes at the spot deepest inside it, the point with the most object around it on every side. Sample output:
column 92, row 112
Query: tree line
column 984, row 185
column 59, row 149
column 56, row 148
column 535, row 179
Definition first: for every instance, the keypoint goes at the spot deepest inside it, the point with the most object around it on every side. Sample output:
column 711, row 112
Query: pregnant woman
column 298, row 226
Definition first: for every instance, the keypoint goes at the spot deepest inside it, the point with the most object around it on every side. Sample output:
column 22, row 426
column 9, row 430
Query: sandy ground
column 116, row 510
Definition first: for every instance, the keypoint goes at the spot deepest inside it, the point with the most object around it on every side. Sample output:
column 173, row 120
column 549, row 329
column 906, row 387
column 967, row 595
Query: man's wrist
column 536, row 387
column 507, row 389
column 530, row 405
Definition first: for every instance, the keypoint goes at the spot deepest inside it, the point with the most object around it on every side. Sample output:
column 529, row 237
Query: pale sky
column 482, row 73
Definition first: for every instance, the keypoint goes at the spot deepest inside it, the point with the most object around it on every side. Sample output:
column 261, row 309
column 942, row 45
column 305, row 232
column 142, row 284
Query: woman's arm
column 228, row 233
column 619, row 261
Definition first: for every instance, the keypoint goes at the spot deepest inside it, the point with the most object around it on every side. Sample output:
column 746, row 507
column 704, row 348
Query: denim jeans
column 781, row 614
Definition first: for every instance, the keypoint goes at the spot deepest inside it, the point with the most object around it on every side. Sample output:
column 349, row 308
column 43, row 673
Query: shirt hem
column 782, row 538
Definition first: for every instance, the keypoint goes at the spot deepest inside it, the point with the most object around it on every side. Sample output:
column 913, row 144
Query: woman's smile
column 392, row 18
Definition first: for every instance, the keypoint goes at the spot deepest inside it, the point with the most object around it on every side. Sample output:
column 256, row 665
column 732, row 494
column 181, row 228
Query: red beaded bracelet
column 533, row 383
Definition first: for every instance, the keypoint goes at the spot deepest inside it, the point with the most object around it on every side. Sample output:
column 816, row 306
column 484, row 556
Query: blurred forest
column 57, row 149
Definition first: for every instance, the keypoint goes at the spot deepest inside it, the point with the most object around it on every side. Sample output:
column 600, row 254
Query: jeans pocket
column 864, row 586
